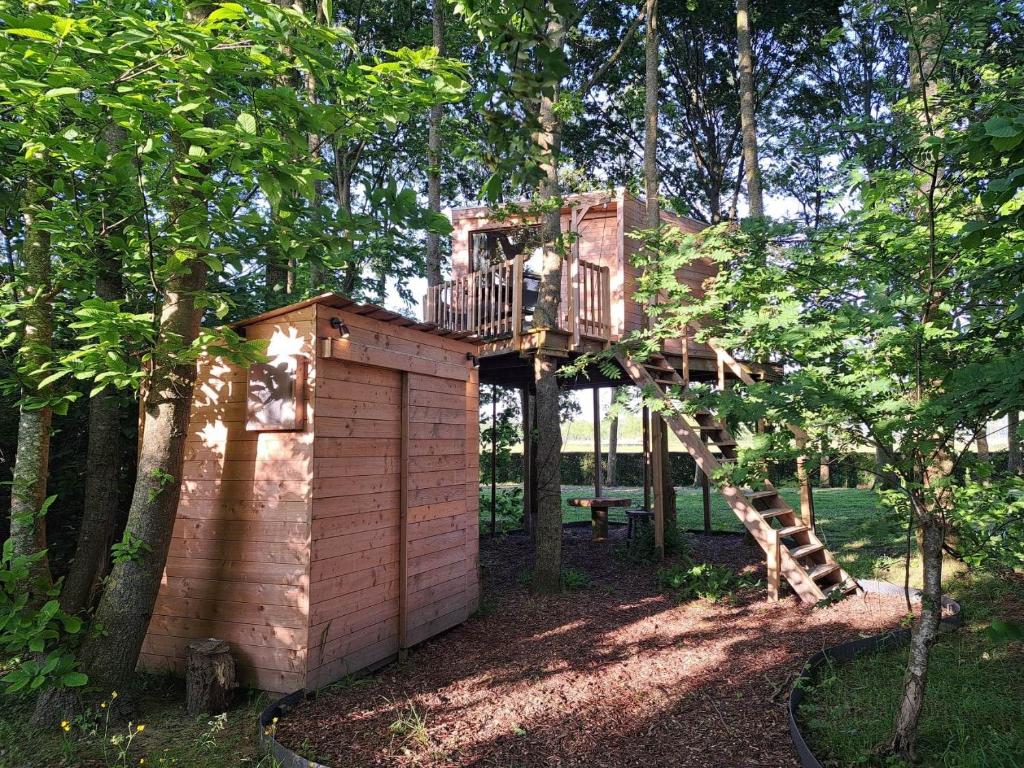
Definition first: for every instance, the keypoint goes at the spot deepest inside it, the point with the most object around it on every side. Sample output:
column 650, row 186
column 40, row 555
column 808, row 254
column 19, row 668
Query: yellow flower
column 113, row 694
column 140, row 728
column 65, row 725
column 103, row 705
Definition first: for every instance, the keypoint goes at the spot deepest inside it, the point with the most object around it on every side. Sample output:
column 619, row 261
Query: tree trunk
column 923, row 636
column 434, row 157
column 748, row 119
column 103, row 454
column 651, row 62
column 824, row 468
column 1013, row 442
column 127, row 603
column 28, row 489
column 884, row 480
column 109, row 656
column 982, row 442
column 548, row 550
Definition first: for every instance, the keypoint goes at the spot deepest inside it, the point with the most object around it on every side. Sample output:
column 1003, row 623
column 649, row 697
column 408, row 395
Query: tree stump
column 209, row 676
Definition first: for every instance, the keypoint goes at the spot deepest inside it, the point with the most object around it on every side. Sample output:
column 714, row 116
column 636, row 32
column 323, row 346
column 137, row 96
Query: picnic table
column 599, row 507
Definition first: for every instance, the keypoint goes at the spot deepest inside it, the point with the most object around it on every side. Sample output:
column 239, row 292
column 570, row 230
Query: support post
column 658, row 466
column 494, row 460
column 597, row 442
column 705, row 492
column 527, row 408
column 403, row 523
column 774, row 565
column 646, row 417
column 517, row 300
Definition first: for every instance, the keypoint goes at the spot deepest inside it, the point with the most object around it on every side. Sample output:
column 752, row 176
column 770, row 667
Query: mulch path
column 614, row 675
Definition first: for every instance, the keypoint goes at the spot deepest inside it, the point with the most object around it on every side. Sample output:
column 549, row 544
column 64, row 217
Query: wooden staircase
column 793, row 548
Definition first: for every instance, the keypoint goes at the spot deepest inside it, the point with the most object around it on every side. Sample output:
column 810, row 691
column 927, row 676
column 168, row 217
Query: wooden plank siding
column 414, row 395
column 238, row 565
column 286, row 544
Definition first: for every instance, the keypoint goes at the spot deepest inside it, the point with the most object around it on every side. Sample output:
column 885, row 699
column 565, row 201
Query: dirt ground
column 613, row 675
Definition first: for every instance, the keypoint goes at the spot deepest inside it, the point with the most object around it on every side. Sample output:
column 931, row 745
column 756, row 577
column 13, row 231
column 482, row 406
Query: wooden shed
column 328, row 513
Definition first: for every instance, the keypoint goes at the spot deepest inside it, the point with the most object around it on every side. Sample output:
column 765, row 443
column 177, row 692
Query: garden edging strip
column 268, row 731
column 853, row 648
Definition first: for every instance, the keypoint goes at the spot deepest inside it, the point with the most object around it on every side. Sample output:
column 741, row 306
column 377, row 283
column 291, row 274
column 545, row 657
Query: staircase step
column 805, row 550
column 820, row 571
column 845, row 588
column 768, row 514
column 754, row 495
column 657, row 367
column 724, row 443
column 792, row 530
column 719, row 428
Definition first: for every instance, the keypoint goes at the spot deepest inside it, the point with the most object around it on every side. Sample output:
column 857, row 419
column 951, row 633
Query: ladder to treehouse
column 793, row 549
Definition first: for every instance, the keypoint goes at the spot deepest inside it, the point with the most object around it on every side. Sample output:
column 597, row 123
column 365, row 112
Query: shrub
column 573, row 579
column 702, row 581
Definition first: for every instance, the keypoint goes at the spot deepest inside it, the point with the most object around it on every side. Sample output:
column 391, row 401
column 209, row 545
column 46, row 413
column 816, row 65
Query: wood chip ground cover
column 614, row 675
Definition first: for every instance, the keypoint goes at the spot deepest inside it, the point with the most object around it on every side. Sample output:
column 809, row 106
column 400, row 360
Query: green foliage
column 702, row 581
column 36, row 638
column 129, row 549
column 573, row 579
column 508, row 510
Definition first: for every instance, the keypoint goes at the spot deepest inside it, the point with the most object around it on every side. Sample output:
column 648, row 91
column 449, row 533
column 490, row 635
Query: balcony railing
column 498, row 301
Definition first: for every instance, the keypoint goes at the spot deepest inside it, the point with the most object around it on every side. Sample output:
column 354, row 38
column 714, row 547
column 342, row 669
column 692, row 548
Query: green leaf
column 56, row 93
column 74, row 679
column 247, row 123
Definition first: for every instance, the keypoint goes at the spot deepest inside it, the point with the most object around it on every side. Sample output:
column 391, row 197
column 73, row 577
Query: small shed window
column 493, row 246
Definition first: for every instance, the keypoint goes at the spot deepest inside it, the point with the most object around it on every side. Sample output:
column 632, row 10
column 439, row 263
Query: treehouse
column 495, row 282
column 492, row 296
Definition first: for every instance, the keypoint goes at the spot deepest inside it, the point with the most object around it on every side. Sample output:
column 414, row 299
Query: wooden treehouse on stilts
column 492, row 294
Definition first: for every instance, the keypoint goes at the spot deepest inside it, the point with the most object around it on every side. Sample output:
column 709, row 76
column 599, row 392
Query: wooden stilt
column 527, row 407
column 494, row 460
column 774, row 565
column 806, row 496
column 705, row 492
column 646, row 418
column 597, row 442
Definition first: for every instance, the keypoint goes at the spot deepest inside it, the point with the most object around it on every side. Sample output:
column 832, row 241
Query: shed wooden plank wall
column 238, row 566
column 354, row 576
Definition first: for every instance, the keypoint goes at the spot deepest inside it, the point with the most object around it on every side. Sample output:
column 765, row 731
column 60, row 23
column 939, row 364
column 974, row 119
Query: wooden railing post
column 517, row 300
column 606, row 302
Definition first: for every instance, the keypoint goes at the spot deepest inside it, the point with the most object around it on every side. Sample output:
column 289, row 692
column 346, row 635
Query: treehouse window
column 493, row 246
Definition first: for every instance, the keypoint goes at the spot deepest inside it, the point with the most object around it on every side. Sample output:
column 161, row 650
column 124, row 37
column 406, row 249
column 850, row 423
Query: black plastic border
column 853, row 648
column 268, row 732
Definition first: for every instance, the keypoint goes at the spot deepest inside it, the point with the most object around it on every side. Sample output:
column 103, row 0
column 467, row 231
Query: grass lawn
column 973, row 713
column 169, row 736
column 867, row 543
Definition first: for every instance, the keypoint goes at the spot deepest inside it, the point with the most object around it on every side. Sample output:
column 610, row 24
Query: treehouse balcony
column 497, row 304
column 496, row 279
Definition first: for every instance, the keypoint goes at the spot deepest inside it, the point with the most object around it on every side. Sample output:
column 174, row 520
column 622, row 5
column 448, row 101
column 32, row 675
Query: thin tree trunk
column 548, row 550
column 923, row 637
column 28, row 489
column 1013, row 442
column 982, row 443
column 103, row 454
column 748, row 119
column 651, row 62
column 824, row 468
column 611, row 473
column 434, row 157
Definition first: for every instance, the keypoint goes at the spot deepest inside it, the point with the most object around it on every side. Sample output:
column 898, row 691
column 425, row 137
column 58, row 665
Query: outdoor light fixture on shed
column 339, row 325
